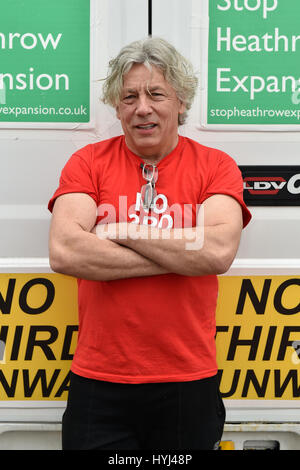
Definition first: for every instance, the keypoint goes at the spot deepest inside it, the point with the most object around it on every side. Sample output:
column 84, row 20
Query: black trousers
column 178, row 415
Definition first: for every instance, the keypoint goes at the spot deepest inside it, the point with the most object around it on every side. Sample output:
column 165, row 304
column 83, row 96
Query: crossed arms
column 77, row 249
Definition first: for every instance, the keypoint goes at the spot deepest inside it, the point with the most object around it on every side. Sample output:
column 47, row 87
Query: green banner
column 45, row 61
column 253, row 62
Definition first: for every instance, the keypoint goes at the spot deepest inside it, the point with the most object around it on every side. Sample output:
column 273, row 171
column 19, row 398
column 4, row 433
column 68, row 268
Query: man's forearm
column 85, row 256
column 189, row 251
column 174, row 249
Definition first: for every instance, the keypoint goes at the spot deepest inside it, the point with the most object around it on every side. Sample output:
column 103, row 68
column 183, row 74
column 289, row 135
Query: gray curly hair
column 177, row 70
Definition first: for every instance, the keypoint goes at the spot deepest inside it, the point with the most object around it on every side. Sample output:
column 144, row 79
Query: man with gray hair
column 146, row 221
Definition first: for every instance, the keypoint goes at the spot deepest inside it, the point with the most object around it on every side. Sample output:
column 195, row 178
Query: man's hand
column 75, row 250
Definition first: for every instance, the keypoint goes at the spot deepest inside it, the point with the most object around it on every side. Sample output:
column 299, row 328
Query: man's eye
column 129, row 97
column 157, row 95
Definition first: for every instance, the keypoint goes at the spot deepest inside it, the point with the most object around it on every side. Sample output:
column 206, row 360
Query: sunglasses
column 148, row 191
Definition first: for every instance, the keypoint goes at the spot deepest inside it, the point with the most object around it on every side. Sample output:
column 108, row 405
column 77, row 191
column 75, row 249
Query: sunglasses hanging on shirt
column 148, row 191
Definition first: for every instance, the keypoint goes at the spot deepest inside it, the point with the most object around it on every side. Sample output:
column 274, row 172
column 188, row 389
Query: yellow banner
column 258, row 336
column 38, row 334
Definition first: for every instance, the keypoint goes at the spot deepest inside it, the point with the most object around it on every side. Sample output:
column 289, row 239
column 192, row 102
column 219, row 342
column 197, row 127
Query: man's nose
column 143, row 106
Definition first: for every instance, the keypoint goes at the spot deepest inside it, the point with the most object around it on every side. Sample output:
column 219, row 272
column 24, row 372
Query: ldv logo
column 268, row 185
column 264, row 185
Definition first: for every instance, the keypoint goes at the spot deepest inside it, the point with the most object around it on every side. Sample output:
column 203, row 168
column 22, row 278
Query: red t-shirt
column 158, row 328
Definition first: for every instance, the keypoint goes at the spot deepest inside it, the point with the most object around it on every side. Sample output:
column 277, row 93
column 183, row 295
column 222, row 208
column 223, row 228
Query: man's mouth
column 146, row 126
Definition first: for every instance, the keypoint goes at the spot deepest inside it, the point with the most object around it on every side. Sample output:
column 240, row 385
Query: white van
column 53, row 59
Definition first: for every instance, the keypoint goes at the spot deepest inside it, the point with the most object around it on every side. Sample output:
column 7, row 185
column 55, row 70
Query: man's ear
column 182, row 107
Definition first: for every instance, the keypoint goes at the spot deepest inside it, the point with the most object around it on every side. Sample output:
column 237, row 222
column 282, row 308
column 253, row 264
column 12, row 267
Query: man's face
column 148, row 111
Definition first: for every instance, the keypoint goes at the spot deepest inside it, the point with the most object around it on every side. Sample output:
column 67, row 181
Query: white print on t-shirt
column 165, row 221
column 161, row 216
